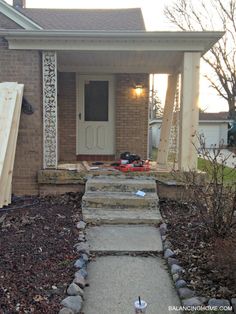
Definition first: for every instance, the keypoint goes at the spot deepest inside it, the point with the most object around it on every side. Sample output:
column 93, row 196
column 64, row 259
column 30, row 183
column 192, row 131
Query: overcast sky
column 154, row 20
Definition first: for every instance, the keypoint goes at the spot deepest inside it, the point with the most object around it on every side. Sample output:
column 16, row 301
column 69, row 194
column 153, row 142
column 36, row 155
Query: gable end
column 7, row 23
column 17, row 17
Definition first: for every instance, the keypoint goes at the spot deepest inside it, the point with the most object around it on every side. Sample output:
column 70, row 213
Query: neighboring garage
column 214, row 127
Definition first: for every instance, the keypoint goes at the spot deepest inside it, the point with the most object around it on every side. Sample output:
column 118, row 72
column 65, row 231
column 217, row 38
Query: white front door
column 95, row 115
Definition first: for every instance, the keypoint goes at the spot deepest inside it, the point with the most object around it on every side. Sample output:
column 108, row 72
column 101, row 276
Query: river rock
column 218, row 302
column 171, row 261
column 185, row 293
column 163, row 229
column 80, row 263
column 233, row 302
column 176, row 269
column 82, row 247
column 79, row 280
column 81, row 225
column 168, row 253
column 74, row 289
column 65, row 310
column 195, row 301
column 180, row 283
column 83, row 272
column 73, row 302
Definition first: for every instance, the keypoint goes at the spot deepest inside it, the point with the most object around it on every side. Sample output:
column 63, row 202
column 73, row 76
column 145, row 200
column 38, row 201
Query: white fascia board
column 99, row 41
column 18, row 17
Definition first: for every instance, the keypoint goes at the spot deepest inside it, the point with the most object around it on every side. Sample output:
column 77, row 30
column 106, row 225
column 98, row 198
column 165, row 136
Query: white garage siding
column 214, row 132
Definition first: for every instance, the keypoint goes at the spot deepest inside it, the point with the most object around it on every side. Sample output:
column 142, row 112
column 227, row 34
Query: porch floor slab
column 124, row 238
column 115, row 282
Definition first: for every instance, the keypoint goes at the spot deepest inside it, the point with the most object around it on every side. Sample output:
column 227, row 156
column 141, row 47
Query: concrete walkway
column 126, row 271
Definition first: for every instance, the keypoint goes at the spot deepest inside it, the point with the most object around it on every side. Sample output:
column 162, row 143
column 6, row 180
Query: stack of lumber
column 10, row 108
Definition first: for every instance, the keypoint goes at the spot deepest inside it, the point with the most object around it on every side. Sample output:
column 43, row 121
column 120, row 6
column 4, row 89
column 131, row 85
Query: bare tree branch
column 212, row 15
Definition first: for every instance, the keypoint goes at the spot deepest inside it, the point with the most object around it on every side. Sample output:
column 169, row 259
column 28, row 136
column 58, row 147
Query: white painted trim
column 108, row 41
column 103, row 45
column 80, row 78
column 162, row 35
column 18, row 17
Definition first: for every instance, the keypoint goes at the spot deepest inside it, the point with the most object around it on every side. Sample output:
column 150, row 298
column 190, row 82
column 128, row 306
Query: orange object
column 133, row 167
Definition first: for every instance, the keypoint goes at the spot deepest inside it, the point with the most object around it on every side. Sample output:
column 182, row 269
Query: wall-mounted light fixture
column 138, row 89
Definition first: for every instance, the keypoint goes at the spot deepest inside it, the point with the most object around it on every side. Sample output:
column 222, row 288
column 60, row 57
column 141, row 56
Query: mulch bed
column 36, row 253
column 209, row 261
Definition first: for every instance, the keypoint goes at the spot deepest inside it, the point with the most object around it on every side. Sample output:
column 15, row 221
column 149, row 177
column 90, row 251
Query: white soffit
column 119, row 61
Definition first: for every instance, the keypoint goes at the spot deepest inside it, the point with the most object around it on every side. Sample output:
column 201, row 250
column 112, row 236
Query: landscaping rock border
column 187, row 296
column 72, row 304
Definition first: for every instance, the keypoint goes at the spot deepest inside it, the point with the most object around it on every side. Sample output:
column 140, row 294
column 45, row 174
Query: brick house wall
column 132, row 114
column 25, row 67
column 67, row 116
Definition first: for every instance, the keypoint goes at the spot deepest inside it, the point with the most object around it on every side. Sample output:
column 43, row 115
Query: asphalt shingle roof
column 87, row 19
column 223, row 115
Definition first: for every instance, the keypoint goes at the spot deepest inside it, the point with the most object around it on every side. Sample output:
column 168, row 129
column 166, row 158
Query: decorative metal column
column 49, row 109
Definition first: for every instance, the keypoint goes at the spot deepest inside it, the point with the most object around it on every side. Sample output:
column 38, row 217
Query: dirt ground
column 209, row 261
column 36, row 253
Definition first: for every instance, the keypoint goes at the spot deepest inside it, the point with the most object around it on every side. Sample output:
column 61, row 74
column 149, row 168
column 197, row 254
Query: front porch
column 98, row 116
column 69, row 57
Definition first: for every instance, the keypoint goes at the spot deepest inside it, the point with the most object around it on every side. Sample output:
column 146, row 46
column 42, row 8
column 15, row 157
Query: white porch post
column 189, row 111
column 49, row 109
column 163, row 147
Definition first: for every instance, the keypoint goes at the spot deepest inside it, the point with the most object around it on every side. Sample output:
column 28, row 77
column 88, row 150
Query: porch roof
column 116, row 51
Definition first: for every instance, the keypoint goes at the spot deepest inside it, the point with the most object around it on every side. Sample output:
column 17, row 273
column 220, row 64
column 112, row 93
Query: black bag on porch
column 130, row 157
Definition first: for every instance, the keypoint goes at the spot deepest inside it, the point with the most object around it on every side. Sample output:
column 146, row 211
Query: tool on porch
column 140, row 306
column 131, row 162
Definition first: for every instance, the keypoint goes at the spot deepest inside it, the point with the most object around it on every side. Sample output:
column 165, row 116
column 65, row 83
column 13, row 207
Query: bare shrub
column 214, row 196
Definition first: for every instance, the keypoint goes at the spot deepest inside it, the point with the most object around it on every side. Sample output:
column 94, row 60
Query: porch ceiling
column 119, row 61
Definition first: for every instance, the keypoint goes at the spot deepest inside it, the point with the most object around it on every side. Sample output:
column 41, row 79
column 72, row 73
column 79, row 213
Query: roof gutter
column 117, row 34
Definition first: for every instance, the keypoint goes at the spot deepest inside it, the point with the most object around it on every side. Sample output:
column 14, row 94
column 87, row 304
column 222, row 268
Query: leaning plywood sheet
column 10, row 104
column 12, row 145
column 13, row 141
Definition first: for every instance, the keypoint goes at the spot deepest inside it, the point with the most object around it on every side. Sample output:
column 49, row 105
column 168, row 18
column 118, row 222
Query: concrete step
column 112, row 216
column 119, row 200
column 124, row 238
column 120, row 185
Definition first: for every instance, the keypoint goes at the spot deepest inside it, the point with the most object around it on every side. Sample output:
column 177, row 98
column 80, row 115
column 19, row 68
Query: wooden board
column 10, row 107
column 12, row 144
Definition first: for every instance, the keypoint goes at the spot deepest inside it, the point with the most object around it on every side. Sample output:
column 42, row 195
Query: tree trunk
column 232, row 112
